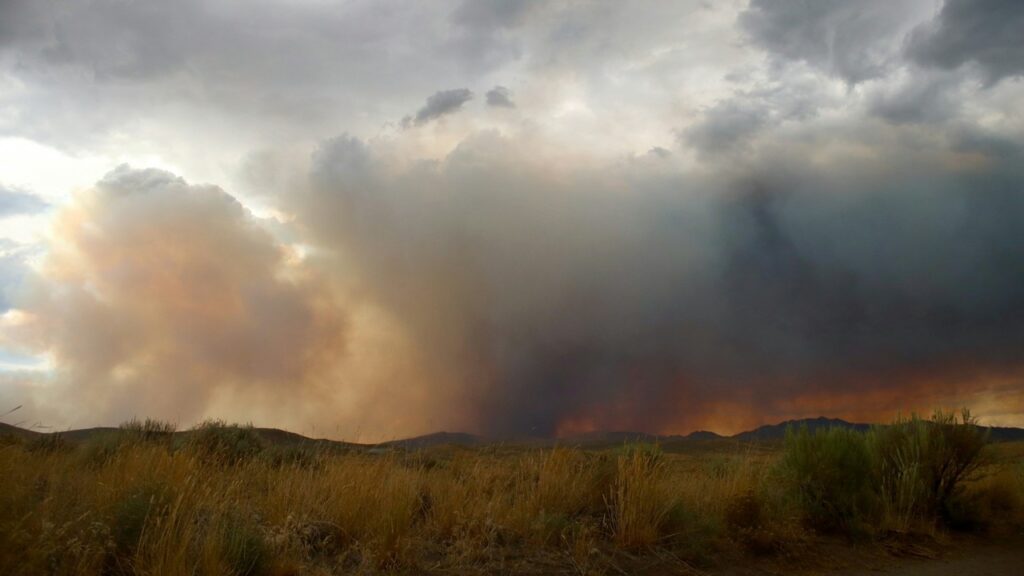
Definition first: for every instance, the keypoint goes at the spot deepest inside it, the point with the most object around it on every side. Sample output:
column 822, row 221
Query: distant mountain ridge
column 704, row 435
column 778, row 431
column 767, row 432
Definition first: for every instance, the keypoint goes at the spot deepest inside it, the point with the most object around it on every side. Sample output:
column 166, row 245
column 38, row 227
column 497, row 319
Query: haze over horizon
column 371, row 220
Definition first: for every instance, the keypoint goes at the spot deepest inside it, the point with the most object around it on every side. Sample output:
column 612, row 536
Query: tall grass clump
column 553, row 489
column 830, row 473
column 640, row 500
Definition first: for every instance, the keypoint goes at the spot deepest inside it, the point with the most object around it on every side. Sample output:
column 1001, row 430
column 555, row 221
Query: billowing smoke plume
column 559, row 295
column 160, row 298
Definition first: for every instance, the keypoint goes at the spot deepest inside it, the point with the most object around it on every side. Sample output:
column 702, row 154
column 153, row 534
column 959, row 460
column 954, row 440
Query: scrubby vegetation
column 215, row 442
column 910, row 473
column 219, row 500
column 155, row 431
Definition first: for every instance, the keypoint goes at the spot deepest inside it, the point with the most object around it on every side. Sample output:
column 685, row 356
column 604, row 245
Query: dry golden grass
column 148, row 508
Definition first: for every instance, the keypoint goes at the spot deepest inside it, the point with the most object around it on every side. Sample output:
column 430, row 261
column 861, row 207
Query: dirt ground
column 962, row 556
column 978, row 559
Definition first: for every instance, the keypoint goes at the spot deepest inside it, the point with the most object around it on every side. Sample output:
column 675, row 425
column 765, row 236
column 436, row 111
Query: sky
column 368, row 220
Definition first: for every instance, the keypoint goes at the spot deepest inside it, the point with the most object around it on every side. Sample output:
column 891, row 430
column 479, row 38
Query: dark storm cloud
column 439, row 104
column 500, row 97
column 853, row 40
column 14, row 202
column 985, row 32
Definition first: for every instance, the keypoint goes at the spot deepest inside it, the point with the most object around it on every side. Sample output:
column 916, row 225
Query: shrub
column 243, row 548
column 292, row 457
column 910, row 470
column 9, row 440
column 921, row 464
column 148, row 431
column 745, row 512
column 216, row 442
column 100, row 449
column 995, row 501
column 954, row 453
column 48, row 444
column 132, row 512
column 319, row 538
column 830, row 474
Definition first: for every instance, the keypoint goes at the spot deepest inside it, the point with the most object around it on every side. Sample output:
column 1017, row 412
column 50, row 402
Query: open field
column 223, row 500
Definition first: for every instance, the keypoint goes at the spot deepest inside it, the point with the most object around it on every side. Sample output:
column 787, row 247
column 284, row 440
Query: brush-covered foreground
column 143, row 501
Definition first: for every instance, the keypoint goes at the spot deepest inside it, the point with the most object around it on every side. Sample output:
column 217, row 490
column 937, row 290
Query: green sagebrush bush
column 10, row 440
column 830, row 474
column 217, row 442
column 298, row 457
column 147, row 431
column 244, row 548
column 100, row 449
column 139, row 506
column 911, row 470
column 48, row 444
column 103, row 447
column 921, row 465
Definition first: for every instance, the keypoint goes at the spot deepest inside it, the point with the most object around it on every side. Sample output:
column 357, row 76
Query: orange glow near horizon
column 995, row 401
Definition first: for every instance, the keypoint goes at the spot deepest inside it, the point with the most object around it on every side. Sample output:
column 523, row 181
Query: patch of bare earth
column 961, row 556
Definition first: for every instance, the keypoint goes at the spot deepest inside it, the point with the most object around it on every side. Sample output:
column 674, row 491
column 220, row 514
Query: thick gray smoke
column 636, row 296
